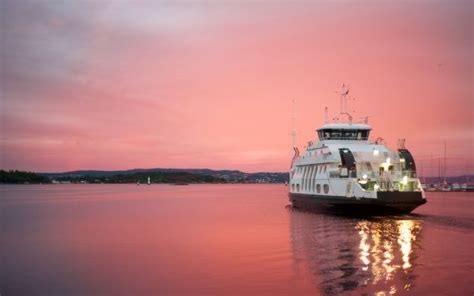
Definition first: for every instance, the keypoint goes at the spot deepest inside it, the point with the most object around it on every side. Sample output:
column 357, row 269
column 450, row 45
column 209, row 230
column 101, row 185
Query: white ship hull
column 346, row 172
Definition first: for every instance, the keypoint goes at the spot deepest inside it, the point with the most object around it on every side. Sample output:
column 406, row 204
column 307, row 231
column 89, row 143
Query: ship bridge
column 344, row 131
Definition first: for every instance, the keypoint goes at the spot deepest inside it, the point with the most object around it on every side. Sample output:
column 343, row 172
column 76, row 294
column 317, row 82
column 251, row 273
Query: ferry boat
column 345, row 171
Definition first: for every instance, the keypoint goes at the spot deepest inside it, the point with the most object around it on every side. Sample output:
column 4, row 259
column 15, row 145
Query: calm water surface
column 226, row 240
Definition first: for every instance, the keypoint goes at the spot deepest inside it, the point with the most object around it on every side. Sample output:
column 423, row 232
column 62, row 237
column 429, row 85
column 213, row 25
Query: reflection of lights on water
column 378, row 252
column 404, row 240
column 375, row 252
column 393, row 291
column 377, row 269
column 388, row 257
column 363, row 245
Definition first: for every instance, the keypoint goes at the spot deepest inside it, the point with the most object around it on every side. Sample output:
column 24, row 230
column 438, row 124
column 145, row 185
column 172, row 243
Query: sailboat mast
column 444, row 181
column 432, row 166
column 421, row 172
column 439, row 170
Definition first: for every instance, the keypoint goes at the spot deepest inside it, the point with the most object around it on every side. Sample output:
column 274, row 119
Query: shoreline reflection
column 344, row 255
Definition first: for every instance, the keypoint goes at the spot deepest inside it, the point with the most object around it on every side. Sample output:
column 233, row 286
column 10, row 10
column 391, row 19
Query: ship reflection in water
column 344, row 255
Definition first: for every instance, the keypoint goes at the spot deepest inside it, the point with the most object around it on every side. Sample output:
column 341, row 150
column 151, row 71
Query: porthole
column 326, row 188
column 318, row 188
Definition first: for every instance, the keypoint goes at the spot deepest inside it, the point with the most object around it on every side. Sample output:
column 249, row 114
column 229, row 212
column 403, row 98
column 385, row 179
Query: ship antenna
column 343, row 94
column 293, row 123
column 325, row 114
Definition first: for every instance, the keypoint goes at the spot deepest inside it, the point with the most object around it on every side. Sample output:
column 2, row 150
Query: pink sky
column 118, row 85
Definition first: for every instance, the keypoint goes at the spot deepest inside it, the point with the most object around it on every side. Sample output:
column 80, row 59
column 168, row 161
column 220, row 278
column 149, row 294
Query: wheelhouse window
column 343, row 134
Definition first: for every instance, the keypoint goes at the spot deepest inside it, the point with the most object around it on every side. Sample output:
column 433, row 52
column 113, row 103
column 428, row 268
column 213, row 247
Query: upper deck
column 344, row 131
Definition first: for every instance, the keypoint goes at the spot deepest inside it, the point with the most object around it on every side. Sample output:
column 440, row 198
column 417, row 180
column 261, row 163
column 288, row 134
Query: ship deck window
column 326, row 188
column 343, row 134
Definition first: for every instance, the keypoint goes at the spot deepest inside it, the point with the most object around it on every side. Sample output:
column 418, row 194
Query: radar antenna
column 344, row 93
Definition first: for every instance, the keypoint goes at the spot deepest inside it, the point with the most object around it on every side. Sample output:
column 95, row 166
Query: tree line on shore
column 20, row 177
column 141, row 176
column 155, row 177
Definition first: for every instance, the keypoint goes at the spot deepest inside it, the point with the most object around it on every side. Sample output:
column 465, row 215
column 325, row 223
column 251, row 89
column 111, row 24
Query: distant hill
column 141, row 177
column 169, row 175
column 99, row 173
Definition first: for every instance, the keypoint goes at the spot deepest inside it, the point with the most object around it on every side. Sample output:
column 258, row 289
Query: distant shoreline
column 143, row 176
column 169, row 176
column 144, row 184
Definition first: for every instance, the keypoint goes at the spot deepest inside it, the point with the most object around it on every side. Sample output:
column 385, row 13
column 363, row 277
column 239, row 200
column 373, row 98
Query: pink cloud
column 210, row 85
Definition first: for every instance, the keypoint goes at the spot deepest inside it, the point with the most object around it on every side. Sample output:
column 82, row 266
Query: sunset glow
column 119, row 85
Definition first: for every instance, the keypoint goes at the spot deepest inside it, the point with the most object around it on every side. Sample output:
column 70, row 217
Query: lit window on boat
column 343, row 134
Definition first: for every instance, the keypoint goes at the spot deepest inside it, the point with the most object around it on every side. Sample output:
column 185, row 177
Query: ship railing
column 369, row 175
column 387, row 182
column 390, row 185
